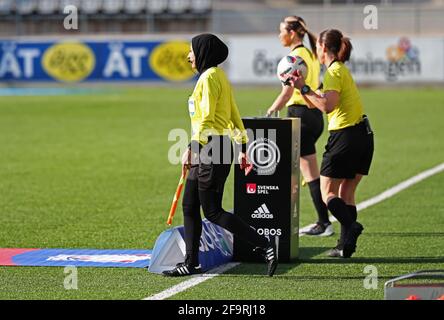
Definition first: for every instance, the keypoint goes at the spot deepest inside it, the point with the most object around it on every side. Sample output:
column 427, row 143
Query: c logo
column 265, row 156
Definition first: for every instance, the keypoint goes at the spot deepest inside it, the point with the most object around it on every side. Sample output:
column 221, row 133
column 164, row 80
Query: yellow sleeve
column 239, row 132
column 332, row 81
column 210, row 95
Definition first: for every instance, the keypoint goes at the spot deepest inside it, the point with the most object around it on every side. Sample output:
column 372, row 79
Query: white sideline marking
column 195, row 280
column 392, row 191
column 400, row 187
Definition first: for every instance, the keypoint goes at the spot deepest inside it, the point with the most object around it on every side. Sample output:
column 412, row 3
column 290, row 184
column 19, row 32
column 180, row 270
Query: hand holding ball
column 291, row 66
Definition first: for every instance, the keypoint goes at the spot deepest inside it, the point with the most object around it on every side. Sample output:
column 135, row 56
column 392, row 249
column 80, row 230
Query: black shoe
column 182, row 269
column 351, row 239
column 271, row 259
column 270, row 255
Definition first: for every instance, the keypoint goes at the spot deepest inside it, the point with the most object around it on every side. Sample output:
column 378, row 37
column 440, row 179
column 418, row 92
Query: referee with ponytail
column 292, row 32
column 349, row 150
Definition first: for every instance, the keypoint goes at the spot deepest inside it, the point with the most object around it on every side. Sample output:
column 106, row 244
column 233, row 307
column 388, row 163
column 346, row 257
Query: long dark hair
column 336, row 44
column 297, row 24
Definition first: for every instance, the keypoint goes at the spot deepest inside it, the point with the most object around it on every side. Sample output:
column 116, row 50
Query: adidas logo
column 262, row 213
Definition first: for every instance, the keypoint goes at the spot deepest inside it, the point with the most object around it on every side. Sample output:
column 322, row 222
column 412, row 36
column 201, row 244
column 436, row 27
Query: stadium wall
column 373, row 60
column 162, row 59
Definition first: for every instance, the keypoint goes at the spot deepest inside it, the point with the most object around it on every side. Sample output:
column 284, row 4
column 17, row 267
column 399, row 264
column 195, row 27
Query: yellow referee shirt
column 313, row 70
column 349, row 111
column 213, row 110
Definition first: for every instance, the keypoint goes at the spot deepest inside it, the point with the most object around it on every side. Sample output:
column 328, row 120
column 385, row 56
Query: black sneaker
column 321, row 230
column 271, row 259
column 182, row 269
column 351, row 239
column 270, row 256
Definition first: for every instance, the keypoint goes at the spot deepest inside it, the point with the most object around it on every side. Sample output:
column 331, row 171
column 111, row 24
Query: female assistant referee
column 349, row 150
column 214, row 120
column 292, row 32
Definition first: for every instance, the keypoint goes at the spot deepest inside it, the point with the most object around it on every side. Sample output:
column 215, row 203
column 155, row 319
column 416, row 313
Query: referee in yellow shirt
column 349, row 150
column 292, row 32
column 215, row 120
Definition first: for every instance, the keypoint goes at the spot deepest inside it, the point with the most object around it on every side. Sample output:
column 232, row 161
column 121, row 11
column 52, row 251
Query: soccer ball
column 289, row 65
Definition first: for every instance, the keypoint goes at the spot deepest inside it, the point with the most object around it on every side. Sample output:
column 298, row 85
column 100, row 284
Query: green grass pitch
column 91, row 171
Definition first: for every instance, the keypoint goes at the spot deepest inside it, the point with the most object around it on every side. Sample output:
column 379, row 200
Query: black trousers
column 204, row 188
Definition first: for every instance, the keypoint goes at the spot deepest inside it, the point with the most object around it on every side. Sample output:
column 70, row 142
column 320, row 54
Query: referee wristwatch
column 305, row 89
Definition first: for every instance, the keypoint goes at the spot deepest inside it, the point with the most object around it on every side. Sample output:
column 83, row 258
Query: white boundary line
column 400, row 187
column 392, row 191
column 195, row 280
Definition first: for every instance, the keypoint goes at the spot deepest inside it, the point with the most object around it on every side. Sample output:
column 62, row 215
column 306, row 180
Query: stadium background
column 88, row 167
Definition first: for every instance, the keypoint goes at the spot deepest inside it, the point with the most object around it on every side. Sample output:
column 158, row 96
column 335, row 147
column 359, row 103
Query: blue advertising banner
column 79, row 61
column 116, row 258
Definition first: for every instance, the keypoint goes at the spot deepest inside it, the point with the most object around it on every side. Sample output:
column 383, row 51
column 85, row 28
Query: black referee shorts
column 348, row 152
column 312, row 125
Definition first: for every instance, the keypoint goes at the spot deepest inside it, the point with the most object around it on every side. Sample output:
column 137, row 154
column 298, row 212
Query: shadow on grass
column 369, row 260
column 404, row 234
column 306, row 255
column 247, row 268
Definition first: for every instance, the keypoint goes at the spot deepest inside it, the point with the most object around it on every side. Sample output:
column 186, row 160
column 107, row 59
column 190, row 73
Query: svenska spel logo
column 251, row 188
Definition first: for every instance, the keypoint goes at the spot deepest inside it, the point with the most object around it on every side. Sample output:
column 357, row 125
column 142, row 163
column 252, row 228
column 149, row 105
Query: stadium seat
column 26, row 6
column 6, row 6
column 47, row 6
column 64, row 3
column 91, row 6
column 112, row 6
column 135, row 6
column 201, row 6
column 178, row 6
column 156, row 6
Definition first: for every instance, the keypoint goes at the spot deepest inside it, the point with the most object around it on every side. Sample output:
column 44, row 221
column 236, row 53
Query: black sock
column 211, row 204
column 353, row 215
column 342, row 238
column 321, row 208
column 339, row 210
column 193, row 231
column 241, row 229
column 353, row 212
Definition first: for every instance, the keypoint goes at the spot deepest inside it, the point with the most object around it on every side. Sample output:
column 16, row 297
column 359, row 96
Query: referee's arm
column 325, row 102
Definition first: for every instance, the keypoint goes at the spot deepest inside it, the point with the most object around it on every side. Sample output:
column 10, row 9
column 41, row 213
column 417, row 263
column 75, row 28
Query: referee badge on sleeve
column 191, row 106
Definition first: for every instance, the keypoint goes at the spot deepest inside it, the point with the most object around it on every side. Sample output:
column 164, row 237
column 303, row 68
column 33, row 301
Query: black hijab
column 209, row 51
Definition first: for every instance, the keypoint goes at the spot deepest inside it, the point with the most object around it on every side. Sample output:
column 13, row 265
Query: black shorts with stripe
column 312, row 126
column 348, row 152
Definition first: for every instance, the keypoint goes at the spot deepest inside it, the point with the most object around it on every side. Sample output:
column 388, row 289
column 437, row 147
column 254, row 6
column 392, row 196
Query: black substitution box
column 268, row 197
